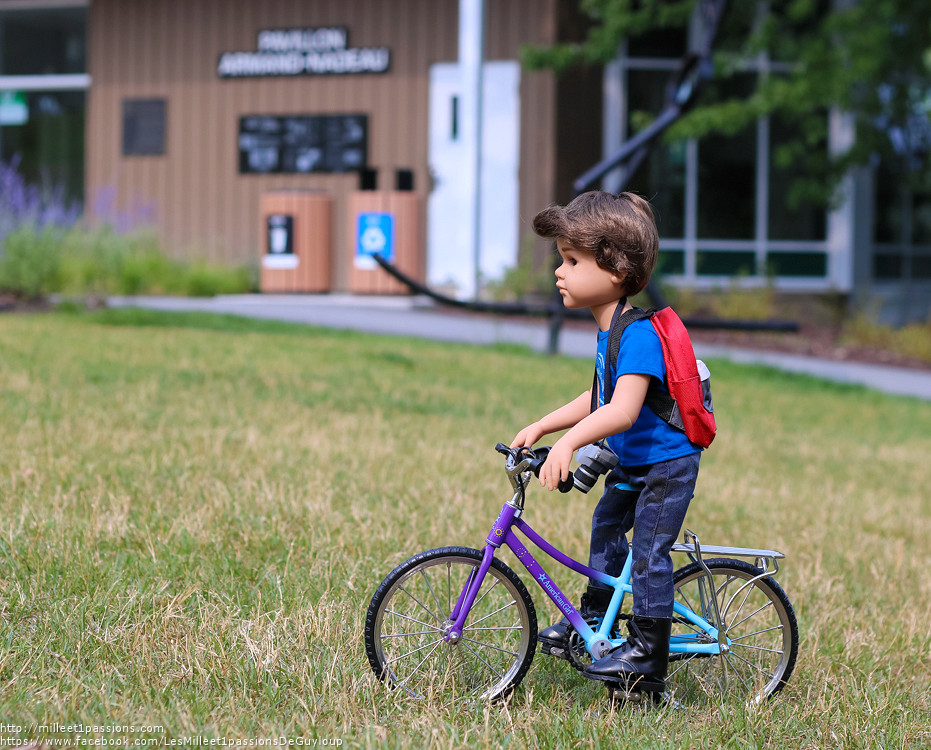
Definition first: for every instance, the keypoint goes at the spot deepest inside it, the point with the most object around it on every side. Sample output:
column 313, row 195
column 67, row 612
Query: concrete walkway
column 419, row 317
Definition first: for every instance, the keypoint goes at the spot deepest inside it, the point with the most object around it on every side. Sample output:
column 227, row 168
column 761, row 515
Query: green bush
column 31, row 263
column 522, row 281
column 101, row 262
column 913, row 340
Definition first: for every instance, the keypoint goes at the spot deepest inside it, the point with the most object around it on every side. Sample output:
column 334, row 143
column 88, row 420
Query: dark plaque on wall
column 302, row 144
column 144, row 127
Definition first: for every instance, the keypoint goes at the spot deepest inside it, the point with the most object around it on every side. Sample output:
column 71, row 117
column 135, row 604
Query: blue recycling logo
column 375, row 235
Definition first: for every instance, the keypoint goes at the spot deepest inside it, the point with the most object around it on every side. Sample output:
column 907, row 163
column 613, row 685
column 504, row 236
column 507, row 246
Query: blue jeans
column 655, row 511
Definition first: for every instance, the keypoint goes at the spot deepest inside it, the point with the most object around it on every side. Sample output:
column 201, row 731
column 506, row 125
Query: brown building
column 185, row 92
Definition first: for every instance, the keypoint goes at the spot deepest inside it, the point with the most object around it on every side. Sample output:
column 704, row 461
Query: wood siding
column 195, row 195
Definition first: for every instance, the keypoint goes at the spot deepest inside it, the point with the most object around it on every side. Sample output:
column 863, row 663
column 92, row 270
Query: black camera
column 594, row 460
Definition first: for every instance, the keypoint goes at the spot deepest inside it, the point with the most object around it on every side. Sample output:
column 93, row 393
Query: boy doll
column 608, row 245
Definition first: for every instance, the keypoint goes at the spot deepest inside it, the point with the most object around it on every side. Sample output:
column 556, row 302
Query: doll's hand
column 556, row 467
column 527, row 436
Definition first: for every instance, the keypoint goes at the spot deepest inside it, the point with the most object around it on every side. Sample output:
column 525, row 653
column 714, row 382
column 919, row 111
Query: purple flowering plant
column 44, row 248
column 22, row 204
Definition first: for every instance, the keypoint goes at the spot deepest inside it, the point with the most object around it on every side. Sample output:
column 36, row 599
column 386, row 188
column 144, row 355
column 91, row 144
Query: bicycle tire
column 759, row 622
column 406, row 617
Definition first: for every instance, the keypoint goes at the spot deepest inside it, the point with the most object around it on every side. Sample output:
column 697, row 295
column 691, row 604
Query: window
column 788, row 219
column 43, row 64
column 143, row 127
column 665, row 164
column 727, row 169
column 902, row 230
column 44, row 41
column 722, row 202
column 48, row 140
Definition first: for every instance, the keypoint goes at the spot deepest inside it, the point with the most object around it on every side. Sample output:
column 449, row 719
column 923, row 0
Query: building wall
column 195, row 195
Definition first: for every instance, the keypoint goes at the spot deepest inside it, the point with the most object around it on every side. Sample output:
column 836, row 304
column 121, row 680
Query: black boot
column 640, row 662
column 554, row 640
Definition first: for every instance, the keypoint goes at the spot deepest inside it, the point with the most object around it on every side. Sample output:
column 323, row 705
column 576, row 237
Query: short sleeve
column 641, row 352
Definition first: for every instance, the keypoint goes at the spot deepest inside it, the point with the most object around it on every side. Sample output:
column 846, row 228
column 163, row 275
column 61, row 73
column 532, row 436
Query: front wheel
column 758, row 622
column 409, row 616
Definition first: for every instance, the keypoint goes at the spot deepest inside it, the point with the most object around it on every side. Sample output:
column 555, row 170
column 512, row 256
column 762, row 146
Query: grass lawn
column 196, row 511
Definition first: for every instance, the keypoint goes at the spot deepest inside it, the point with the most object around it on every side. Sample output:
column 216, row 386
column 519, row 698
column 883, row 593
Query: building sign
column 297, row 52
column 302, row 144
column 374, row 236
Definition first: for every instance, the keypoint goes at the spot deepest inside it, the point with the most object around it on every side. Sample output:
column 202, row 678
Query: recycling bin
column 387, row 222
column 296, row 233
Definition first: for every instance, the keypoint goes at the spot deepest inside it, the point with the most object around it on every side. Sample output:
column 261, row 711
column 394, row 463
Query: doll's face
column 581, row 281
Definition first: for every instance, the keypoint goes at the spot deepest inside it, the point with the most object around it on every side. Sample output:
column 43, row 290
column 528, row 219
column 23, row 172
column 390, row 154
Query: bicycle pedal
column 633, row 697
column 555, row 651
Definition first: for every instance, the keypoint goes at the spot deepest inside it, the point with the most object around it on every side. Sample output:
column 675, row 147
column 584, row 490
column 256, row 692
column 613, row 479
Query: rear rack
column 765, row 559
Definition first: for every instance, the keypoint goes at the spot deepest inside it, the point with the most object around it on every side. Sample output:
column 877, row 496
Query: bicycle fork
column 476, row 578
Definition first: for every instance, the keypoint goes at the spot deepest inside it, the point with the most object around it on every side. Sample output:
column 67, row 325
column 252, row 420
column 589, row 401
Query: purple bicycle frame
column 502, row 533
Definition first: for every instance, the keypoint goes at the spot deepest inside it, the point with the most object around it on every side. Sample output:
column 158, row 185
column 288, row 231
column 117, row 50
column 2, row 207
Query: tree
column 868, row 58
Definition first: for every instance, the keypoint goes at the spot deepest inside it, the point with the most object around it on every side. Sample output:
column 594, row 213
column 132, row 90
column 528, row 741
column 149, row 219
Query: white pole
column 471, row 54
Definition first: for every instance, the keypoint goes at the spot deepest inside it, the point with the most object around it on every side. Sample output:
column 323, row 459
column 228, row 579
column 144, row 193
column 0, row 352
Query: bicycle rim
column 409, row 612
column 760, row 626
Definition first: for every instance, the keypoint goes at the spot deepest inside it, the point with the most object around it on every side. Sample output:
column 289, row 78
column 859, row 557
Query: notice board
column 298, row 144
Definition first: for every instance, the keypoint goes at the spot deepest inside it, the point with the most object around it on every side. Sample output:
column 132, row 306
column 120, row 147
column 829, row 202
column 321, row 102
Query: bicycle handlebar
column 534, row 458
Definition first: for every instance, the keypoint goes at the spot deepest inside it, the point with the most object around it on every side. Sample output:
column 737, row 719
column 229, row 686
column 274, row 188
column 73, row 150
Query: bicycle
column 457, row 622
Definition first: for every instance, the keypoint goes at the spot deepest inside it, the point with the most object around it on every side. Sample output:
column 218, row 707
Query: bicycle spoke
column 421, row 648
column 492, row 614
column 406, row 635
column 430, row 588
column 759, row 648
column 727, row 662
column 502, row 627
column 685, row 663
column 487, row 592
column 746, row 596
column 422, row 605
column 412, row 619
column 488, row 645
column 721, row 592
column 737, row 624
column 692, row 626
column 686, row 601
column 750, row 664
column 758, row 632
column 415, row 669
column 479, row 657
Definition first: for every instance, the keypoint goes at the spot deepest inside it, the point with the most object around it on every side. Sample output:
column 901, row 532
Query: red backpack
column 687, row 405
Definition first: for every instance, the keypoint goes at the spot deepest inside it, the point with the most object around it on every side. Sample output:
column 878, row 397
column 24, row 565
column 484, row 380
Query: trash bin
column 387, row 222
column 295, row 240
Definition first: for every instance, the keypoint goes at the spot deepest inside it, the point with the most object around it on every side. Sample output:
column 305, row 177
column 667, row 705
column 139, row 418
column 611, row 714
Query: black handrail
column 520, row 308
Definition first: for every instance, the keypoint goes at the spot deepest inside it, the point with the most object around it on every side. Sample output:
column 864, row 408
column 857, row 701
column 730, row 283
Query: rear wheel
column 758, row 621
column 409, row 617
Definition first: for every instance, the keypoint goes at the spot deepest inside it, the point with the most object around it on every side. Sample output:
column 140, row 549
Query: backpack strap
column 658, row 399
column 619, row 323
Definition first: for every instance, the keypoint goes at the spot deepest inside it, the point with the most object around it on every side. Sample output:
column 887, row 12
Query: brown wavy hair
column 619, row 230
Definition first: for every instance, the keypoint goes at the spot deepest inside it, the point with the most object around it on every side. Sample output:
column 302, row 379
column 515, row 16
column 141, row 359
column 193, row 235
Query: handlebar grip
column 565, row 485
column 540, row 458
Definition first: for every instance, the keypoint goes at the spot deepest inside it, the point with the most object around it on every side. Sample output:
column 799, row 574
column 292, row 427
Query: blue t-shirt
column 650, row 440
